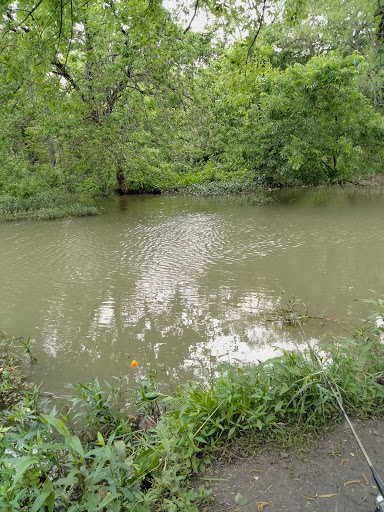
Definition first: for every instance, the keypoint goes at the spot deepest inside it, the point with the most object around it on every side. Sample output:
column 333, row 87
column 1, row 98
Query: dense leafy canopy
column 103, row 96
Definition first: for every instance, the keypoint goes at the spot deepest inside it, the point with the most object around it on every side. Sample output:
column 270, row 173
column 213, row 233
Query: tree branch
column 193, row 17
column 29, row 14
column 61, row 18
column 261, row 21
column 63, row 72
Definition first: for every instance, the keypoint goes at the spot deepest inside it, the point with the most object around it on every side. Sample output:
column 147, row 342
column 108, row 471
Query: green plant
column 92, row 459
column 293, row 311
column 12, row 384
column 95, row 407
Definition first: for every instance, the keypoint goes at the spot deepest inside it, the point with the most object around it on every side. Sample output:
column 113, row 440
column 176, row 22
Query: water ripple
column 170, row 280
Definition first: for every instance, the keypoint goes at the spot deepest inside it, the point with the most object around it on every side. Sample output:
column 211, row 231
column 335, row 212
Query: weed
column 12, row 384
column 293, row 312
column 27, row 348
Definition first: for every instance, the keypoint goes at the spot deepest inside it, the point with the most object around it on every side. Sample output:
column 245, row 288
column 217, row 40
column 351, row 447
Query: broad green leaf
column 107, row 500
column 231, row 432
column 75, row 444
column 22, row 464
column 120, row 449
column 44, row 498
column 57, row 424
column 100, row 439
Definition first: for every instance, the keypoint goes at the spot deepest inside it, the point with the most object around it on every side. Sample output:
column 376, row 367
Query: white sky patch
column 200, row 21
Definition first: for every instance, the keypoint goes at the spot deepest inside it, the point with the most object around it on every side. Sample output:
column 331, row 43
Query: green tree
column 104, row 96
column 312, row 125
column 106, row 92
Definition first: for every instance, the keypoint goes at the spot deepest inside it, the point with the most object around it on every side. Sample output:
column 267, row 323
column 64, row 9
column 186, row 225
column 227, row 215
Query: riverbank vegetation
column 132, row 97
column 44, row 205
column 94, row 456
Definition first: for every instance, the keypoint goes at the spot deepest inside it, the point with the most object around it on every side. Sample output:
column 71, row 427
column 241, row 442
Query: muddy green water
column 177, row 283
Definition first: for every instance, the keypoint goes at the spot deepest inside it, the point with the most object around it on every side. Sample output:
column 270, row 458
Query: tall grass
column 44, row 206
column 146, row 464
column 222, row 188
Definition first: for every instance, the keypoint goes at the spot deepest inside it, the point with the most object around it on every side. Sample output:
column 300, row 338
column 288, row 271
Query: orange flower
column 134, row 363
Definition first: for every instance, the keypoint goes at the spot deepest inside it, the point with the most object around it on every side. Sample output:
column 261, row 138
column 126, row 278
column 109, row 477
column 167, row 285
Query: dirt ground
column 331, row 476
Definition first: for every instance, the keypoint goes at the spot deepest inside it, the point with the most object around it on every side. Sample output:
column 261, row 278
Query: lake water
column 178, row 283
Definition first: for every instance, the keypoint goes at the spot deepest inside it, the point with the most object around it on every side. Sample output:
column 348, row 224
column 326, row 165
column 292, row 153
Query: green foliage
column 313, row 126
column 119, row 96
column 96, row 406
column 11, row 379
column 116, row 464
column 44, row 205
column 45, row 464
column 99, row 108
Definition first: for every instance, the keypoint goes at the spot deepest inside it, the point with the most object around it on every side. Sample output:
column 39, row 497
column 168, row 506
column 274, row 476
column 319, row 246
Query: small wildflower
column 134, row 363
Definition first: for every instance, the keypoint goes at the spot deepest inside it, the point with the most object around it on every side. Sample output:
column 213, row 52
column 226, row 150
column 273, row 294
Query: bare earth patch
column 332, row 476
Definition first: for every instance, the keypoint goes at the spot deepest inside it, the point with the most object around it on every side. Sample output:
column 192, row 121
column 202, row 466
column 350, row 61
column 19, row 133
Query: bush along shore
column 97, row 457
column 57, row 204
column 45, row 205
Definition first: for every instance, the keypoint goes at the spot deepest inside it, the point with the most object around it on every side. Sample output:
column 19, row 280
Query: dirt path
column 332, row 477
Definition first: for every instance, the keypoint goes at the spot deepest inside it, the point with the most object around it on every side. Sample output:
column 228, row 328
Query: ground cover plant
column 97, row 457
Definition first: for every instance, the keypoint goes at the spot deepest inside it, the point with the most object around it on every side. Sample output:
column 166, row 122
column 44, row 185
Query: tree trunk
column 120, row 177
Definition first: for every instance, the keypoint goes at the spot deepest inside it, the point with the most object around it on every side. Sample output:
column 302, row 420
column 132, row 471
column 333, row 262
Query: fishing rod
column 379, row 500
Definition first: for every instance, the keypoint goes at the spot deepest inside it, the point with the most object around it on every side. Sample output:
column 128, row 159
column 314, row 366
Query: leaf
column 107, row 500
column 231, row 432
column 146, row 462
column 279, row 405
column 151, row 395
column 57, row 424
column 47, row 497
column 75, row 443
column 262, row 504
column 240, row 500
column 164, row 438
column 22, row 463
column 120, row 449
column 50, row 501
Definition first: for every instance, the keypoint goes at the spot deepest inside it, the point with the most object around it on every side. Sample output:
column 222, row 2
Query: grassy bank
column 44, row 206
column 56, row 204
column 97, row 457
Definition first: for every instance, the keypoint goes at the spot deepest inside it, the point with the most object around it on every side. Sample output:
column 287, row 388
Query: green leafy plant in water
column 148, row 396
column 293, row 311
column 12, row 384
column 96, row 407
column 27, row 348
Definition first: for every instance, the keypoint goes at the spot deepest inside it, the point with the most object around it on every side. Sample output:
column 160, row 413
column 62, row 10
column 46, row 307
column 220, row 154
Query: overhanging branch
column 193, row 17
